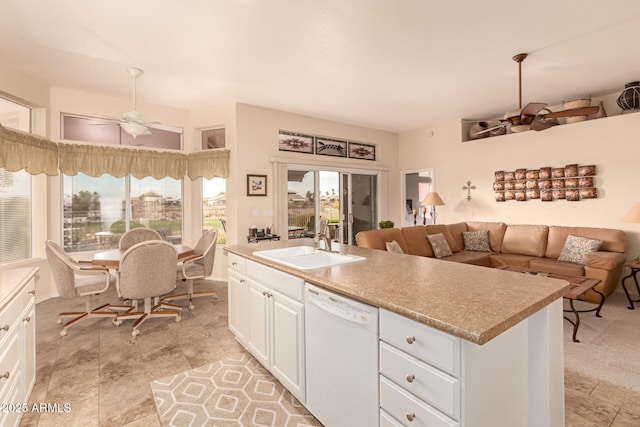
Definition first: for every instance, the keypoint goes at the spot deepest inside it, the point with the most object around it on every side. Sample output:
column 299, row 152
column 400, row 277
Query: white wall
column 610, row 143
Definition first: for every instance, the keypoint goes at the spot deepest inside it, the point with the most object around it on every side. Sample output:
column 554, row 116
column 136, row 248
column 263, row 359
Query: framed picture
column 297, row 142
column 256, row 185
column 331, row 147
column 362, row 151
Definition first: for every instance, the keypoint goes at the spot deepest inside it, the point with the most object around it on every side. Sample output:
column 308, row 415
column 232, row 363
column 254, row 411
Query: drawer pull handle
column 27, row 319
column 410, row 416
column 410, row 378
column 241, row 280
column 32, row 292
column 411, row 339
column 4, row 328
column 5, row 375
column 234, row 263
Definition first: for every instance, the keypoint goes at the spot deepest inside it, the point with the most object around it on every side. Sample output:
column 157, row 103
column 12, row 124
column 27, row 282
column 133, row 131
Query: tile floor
column 104, row 374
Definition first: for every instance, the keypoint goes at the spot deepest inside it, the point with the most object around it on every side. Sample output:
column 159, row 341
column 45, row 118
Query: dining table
column 111, row 258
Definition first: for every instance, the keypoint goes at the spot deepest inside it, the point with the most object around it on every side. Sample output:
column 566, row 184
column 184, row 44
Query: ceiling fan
column 132, row 122
column 534, row 115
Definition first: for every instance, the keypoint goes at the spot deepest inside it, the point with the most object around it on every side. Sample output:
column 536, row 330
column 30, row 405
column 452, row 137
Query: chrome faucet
column 325, row 239
column 322, row 235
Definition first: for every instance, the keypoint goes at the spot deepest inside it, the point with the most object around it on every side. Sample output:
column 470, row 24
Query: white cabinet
column 272, row 305
column 430, row 378
column 17, row 342
column 237, row 295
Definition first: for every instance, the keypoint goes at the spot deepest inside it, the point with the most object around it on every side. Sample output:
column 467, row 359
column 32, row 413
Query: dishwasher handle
column 339, row 308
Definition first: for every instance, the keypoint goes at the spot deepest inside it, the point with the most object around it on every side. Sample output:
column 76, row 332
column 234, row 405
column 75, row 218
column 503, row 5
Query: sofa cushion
column 439, row 245
column 498, row 260
column 394, row 246
column 416, row 240
column 456, row 231
column 476, row 241
column 549, row 265
column 377, row 239
column 612, row 240
column 470, row 257
column 576, row 248
column 525, row 240
column 496, row 232
column 435, row 229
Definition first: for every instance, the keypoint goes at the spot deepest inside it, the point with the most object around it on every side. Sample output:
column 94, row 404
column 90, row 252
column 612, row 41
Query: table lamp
column 633, row 215
column 433, row 199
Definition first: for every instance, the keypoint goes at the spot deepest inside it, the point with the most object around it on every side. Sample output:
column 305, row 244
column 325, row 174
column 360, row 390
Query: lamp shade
column 135, row 129
column 432, row 199
column 633, row 215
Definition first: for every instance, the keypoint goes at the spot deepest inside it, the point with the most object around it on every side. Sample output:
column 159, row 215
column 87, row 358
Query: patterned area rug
column 230, row 392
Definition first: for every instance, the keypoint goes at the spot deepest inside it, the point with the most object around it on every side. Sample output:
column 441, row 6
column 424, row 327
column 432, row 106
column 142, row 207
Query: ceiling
column 392, row 65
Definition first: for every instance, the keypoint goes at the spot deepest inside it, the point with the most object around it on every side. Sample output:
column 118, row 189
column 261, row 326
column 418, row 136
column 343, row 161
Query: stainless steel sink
column 306, row 257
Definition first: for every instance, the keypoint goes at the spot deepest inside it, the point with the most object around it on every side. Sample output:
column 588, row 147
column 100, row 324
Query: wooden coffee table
column 578, row 286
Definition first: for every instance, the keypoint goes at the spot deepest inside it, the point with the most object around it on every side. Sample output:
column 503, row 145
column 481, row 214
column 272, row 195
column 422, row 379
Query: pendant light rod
column 519, row 58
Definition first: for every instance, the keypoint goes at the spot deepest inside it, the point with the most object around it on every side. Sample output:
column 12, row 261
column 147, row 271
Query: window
column 214, row 206
column 97, row 211
column 213, row 138
column 15, row 194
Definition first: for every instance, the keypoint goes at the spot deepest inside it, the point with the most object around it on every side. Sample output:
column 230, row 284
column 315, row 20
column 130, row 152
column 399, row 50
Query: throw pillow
column 394, row 246
column 439, row 245
column 476, row 241
column 576, row 248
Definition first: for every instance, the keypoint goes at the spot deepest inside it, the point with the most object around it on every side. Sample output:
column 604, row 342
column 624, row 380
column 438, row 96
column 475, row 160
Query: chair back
column 137, row 235
column 207, row 246
column 60, row 265
column 148, row 269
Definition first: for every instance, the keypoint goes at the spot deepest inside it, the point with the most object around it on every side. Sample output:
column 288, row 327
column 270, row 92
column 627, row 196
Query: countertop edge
column 477, row 338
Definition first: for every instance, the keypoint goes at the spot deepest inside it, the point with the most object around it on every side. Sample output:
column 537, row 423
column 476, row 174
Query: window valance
column 36, row 155
column 20, row 150
column 208, row 164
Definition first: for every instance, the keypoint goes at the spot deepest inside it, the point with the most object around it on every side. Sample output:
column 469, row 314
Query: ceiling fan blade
column 532, row 108
column 580, row 111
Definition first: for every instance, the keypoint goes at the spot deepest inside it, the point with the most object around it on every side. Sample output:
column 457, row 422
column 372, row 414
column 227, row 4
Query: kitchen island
column 504, row 329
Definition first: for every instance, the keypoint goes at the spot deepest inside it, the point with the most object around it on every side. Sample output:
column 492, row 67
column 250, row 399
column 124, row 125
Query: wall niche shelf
column 609, row 102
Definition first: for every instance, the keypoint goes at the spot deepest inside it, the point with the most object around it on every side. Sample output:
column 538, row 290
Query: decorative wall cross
column 468, row 188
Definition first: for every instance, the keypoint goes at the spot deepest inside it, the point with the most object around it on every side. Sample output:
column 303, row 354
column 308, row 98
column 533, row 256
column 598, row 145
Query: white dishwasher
column 342, row 359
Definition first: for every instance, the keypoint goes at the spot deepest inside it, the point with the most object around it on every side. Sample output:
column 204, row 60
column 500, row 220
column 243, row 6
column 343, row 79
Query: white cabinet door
column 29, row 348
column 258, row 327
column 237, row 286
column 287, row 364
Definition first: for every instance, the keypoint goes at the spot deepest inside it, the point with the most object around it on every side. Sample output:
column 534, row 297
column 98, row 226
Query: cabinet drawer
column 284, row 283
column 387, row 420
column 237, row 263
column 408, row 409
column 426, row 382
column 9, row 363
column 424, row 342
column 28, row 293
column 8, row 316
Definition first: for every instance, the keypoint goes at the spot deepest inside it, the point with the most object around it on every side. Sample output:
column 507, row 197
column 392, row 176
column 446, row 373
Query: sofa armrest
column 605, row 260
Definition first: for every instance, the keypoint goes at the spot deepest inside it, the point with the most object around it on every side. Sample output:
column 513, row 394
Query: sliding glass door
column 345, row 200
column 360, row 205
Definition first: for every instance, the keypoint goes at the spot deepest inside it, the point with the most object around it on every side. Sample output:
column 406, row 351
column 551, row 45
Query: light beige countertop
column 12, row 281
column 471, row 302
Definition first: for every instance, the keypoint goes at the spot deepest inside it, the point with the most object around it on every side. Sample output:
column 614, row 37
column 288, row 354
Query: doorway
column 415, row 186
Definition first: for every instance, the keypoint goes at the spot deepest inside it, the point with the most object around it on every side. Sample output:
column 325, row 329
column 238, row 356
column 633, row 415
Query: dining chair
column 148, row 270
column 137, row 235
column 197, row 266
column 77, row 279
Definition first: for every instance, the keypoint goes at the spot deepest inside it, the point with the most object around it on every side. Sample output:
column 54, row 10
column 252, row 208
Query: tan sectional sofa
column 534, row 246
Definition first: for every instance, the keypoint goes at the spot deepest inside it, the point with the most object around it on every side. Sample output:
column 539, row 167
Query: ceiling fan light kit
column 132, row 122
